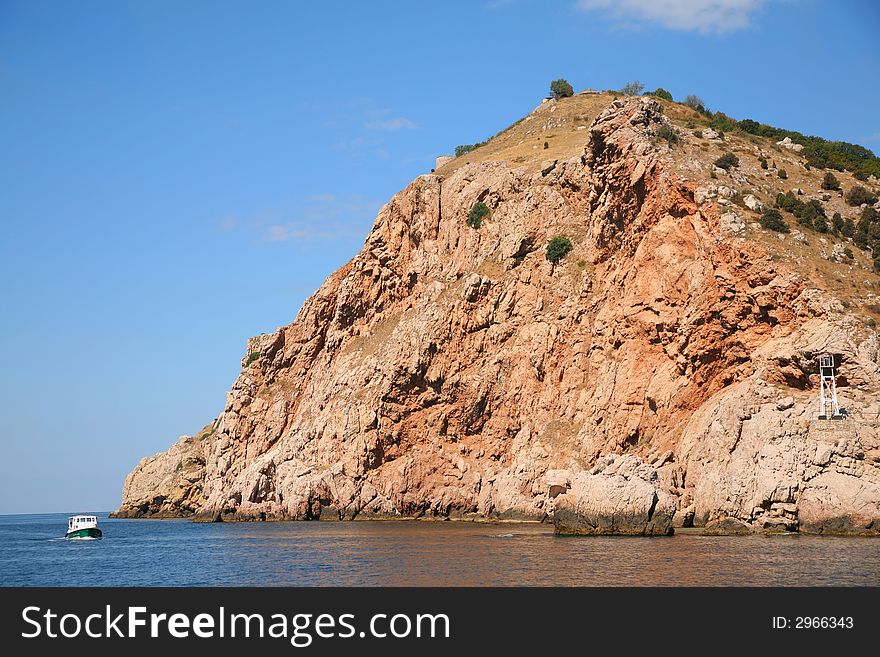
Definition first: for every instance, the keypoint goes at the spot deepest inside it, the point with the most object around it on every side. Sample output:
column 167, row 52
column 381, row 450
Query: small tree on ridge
column 560, row 89
column 634, row 88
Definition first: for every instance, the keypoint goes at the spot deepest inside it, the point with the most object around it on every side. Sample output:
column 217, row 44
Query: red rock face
column 453, row 371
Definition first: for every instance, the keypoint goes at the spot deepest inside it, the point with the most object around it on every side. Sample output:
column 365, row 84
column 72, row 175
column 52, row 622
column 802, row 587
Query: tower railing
column 827, row 389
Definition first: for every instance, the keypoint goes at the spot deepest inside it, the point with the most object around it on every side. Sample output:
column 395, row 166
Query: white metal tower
column 827, row 388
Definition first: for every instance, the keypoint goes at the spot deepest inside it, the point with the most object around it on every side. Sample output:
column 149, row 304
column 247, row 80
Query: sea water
column 414, row 553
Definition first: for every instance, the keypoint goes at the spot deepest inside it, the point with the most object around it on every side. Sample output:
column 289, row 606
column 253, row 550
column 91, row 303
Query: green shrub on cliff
column 772, row 220
column 558, row 248
column 251, row 358
column 727, row 161
column 479, row 212
column 830, row 182
column 859, row 195
column 660, row 93
column 464, row 149
column 668, row 133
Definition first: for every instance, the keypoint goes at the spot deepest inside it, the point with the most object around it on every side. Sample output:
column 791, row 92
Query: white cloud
column 705, row 16
column 327, row 217
column 228, row 223
column 298, row 231
column 398, row 123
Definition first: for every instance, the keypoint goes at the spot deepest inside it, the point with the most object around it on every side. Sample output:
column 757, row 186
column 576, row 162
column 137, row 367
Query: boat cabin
column 81, row 522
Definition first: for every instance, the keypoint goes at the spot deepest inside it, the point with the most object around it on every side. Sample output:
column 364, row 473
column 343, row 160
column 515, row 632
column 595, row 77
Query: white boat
column 83, row 527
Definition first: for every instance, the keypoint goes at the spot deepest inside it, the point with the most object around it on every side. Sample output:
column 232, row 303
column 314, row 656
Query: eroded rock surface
column 446, row 370
column 621, row 495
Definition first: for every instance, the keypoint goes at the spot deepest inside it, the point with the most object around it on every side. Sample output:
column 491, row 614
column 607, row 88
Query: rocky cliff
column 664, row 373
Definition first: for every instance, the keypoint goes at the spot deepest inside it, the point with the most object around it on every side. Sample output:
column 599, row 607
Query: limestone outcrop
column 621, row 495
column 446, row 370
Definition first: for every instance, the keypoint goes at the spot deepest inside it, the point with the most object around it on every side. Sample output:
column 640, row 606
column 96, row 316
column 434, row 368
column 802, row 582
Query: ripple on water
column 182, row 553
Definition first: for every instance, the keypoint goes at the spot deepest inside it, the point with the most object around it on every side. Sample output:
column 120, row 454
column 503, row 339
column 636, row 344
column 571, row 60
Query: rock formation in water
column 662, row 374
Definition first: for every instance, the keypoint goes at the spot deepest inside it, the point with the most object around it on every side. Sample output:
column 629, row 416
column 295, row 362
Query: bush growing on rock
column 722, row 123
column 808, row 214
column 849, row 227
column 478, row 212
column 251, row 358
column 819, row 153
column 818, row 208
column 867, row 231
column 727, row 161
column 634, row 88
column 870, row 222
column 695, row 103
column 837, row 222
column 560, row 89
column 558, row 248
column 787, row 201
column 660, row 92
column 763, row 161
column 464, row 149
column 668, row 133
column 772, row 220
column 782, row 174
column 858, row 195
column 830, row 182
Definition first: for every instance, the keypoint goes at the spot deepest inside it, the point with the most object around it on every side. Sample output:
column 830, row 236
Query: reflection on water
column 181, row 553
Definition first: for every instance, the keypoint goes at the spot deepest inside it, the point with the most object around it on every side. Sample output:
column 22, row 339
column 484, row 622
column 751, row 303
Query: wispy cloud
column 359, row 148
column 704, row 16
column 319, row 218
column 298, row 231
column 398, row 123
column 498, row 4
column 228, row 223
column 365, row 132
column 326, row 217
column 383, row 120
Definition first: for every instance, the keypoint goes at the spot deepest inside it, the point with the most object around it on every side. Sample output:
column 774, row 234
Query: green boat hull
column 91, row 532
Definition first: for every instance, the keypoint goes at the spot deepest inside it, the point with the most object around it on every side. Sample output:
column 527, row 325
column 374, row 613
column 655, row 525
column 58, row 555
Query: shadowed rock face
column 450, row 371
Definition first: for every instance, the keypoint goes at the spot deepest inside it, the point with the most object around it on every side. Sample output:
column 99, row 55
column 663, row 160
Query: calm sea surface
column 182, row 553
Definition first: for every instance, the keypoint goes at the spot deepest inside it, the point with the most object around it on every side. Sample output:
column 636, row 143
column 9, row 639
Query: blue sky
column 177, row 176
